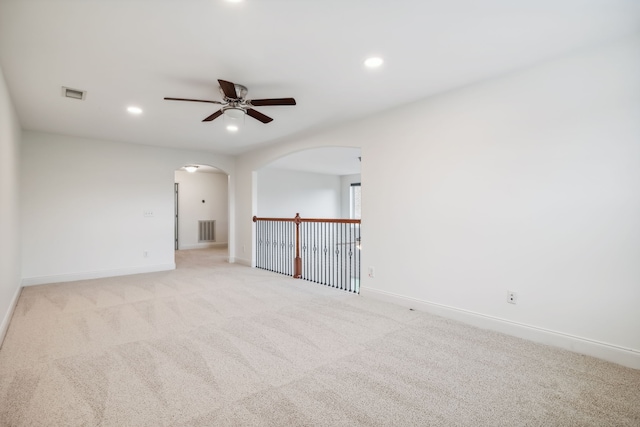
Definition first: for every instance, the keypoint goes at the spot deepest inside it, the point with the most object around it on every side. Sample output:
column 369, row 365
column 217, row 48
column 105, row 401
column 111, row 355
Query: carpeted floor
column 217, row 344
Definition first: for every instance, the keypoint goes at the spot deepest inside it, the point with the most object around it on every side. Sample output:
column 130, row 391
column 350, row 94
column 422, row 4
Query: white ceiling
column 203, row 169
column 135, row 52
column 325, row 160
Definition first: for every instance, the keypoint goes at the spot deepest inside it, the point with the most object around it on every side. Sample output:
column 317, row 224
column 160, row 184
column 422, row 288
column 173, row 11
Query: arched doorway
column 201, row 208
column 322, row 243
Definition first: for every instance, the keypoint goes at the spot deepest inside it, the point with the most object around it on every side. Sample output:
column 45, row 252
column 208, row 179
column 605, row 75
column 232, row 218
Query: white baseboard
column 202, row 246
column 241, row 261
column 620, row 355
column 4, row 326
column 87, row 275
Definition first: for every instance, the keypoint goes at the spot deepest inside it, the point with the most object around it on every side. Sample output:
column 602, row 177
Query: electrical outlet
column 145, row 254
column 512, row 297
column 372, row 272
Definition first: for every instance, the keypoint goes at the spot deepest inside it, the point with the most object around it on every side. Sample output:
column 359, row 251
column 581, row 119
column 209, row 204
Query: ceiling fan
column 234, row 104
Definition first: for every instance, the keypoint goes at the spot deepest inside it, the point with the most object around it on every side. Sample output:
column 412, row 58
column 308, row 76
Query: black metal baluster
column 319, row 243
column 305, row 249
column 342, row 248
column 269, row 240
column 272, row 234
column 323, row 264
column 259, row 245
column 348, row 255
column 316, row 253
column 336, row 230
column 351, row 255
column 332, row 253
column 336, row 271
column 304, row 242
column 292, row 232
column 283, row 247
column 276, row 246
column 325, row 244
column 267, row 244
column 358, row 248
column 288, row 251
column 345, row 249
column 280, row 255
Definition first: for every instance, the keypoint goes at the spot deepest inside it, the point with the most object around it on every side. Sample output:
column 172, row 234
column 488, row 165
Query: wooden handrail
column 298, row 219
column 255, row 219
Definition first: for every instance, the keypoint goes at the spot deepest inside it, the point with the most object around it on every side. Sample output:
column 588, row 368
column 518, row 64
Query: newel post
column 297, row 265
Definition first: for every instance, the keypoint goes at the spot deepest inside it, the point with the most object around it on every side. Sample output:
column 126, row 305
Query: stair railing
column 322, row 250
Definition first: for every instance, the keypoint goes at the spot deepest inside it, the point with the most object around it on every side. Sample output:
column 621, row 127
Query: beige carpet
column 217, row 344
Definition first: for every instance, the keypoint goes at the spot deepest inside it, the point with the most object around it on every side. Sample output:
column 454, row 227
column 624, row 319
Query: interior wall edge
column 611, row 353
column 88, row 275
column 241, row 261
column 203, row 246
column 4, row 326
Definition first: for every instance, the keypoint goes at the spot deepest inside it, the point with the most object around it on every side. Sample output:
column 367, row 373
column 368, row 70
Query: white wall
column 9, row 208
column 345, row 193
column 529, row 182
column 283, row 193
column 194, row 188
column 82, row 206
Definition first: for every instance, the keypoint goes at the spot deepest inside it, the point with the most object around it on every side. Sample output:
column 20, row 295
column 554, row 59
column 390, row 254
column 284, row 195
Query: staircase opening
column 320, row 250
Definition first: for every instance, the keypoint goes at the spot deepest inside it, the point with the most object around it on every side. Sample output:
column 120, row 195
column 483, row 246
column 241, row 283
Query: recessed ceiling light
column 373, row 62
column 134, row 110
column 232, row 128
column 234, row 1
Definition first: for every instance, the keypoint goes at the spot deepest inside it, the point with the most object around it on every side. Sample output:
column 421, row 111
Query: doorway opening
column 201, row 200
column 321, row 188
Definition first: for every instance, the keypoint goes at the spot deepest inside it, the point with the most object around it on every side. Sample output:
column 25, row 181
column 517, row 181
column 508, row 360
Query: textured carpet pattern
column 217, row 344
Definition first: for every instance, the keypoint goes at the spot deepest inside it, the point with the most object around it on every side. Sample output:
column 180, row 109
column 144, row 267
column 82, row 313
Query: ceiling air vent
column 73, row 93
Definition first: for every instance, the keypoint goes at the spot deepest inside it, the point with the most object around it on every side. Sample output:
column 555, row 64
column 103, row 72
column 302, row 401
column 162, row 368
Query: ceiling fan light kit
column 235, row 105
column 233, row 113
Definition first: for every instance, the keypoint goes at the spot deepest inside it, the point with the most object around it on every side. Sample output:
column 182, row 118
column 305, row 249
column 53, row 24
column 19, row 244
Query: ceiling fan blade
column 213, row 116
column 258, row 116
column 273, row 101
column 228, row 88
column 193, row 100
